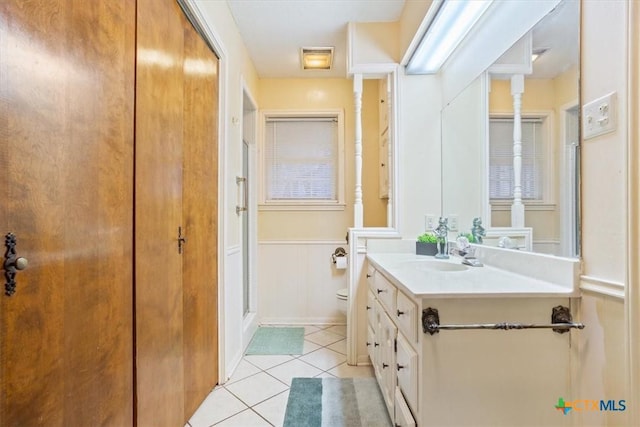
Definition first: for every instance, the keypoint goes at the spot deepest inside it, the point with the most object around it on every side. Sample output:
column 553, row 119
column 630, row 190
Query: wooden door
column 66, row 173
column 200, row 213
column 158, row 214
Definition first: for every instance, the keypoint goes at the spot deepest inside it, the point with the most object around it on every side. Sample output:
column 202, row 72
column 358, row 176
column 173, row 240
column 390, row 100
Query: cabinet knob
column 375, row 344
column 400, row 313
column 384, row 365
column 368, row 344
column 368, row 308
column 382, row 164
column 368, row 275
column 381, row 290
column 399, row 366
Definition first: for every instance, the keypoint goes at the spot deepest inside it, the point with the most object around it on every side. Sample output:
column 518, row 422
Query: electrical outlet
column 429, row 222
column 453, row 222
column 599, row 116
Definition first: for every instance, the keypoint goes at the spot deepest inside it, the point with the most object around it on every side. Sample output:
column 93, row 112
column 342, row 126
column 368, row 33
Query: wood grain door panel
column 66, row 168
column 158, row 214
column 200, row 212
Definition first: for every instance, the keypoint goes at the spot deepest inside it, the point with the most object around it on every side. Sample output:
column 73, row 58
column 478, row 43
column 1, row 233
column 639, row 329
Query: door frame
column 250, row 135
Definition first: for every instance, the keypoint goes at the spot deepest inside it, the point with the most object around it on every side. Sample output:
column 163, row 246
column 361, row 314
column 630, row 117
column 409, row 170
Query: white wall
column 419, row 152
column 235, row 66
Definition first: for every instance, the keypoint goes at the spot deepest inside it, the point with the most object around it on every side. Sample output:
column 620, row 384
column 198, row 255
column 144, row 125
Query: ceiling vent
column 316, row 58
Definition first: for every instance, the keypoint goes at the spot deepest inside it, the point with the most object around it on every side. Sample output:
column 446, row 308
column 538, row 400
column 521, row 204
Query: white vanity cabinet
column 391, row 343
column 472, row 376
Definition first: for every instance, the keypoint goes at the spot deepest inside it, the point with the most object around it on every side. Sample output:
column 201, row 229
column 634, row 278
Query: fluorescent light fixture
column 537, row 53
column 450, row 25
column 316, row 58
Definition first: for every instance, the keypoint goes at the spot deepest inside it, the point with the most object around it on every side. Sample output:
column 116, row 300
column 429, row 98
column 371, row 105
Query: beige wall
column 602, row 369
column 319, row 94
column 412, row 15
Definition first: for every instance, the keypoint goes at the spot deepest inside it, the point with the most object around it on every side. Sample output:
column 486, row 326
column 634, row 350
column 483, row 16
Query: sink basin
column 434, row 265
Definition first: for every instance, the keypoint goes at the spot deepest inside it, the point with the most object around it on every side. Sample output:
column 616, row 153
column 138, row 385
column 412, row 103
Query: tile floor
column 257, row 392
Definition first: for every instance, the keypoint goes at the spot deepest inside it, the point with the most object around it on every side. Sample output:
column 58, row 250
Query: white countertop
column 405, row 271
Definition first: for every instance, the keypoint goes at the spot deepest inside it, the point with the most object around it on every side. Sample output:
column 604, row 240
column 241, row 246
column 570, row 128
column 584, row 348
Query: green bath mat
column 268, row 340
column 335, row 402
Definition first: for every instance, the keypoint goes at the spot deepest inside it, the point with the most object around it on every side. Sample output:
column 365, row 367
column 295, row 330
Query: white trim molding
column 602, row 287
column 632, row 310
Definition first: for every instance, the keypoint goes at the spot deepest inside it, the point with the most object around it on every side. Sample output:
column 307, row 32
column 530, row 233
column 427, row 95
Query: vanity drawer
column 407, row 368
column 386, row 293
column 402, row 415
column 407, row 316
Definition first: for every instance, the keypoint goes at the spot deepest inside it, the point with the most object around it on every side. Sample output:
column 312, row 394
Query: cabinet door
column 406, row 316
column 371, row 309
column 158, row 214
column 372, row 346
column 403, row 416
column 66, row 172
column 408, row 371
column 387, row 358
column 200, row 213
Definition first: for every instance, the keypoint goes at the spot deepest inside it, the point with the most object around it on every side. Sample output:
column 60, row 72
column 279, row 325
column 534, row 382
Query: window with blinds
column 302, row 159
column 501, row 176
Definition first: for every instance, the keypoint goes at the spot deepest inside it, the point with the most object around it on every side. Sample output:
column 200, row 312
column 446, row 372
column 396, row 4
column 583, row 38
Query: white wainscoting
column 297, row 282
column 233, row 319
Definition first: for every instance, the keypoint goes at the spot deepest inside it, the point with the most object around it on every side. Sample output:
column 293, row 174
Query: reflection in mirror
column 480, row 135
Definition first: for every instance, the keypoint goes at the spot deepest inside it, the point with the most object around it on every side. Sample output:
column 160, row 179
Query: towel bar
column 560, row 322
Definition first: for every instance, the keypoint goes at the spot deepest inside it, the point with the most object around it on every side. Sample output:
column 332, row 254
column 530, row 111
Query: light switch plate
column 599, row 116
column 429, row 222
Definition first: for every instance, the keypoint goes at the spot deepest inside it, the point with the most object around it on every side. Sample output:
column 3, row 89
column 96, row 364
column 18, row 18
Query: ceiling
column 274, row 30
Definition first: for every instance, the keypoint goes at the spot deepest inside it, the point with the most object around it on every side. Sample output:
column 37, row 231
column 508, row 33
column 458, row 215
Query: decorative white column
column 390, row 145
column 358, row 212
column 517, row 208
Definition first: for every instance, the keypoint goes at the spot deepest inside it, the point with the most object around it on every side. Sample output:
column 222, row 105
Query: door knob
column 18, row 263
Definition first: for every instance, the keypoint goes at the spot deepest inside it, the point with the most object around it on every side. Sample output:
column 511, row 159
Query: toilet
column 342, row 300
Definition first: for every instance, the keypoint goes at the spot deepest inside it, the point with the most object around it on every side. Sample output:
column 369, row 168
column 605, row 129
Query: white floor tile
column 246, row 418
column 325, row 375
column 293, row 369
column 218, row 405
column 256, row 388
column 308, row 347
column 274, row 409
column 309, row 329
column 345, row 371
column 324, row 358
column 267, row 361
column 340, row 346
column 338, row 329
column 323, row 338
column 243, row 370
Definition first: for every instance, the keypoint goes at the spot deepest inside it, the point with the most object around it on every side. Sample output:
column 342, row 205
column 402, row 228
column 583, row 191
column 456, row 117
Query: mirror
column 477, row 142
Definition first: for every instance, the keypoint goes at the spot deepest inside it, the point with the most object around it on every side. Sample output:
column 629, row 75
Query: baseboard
column 319, row 321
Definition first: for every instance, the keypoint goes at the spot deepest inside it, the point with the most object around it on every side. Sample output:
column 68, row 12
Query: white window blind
column 501, row 177
column 301, row 159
